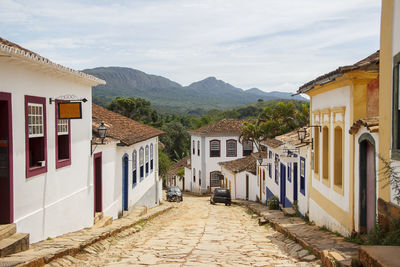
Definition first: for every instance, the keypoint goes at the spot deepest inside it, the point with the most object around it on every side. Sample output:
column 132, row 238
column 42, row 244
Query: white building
column 182, row 182
column 46, row 182
column 240, row 177
column 126, row 165
column 285, row 171
column 210, row 145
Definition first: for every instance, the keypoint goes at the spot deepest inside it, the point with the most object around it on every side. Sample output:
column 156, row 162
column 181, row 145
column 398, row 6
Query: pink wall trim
column 63, row 162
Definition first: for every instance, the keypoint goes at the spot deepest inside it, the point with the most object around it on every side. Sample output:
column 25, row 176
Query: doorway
column 6, row 160
column 367, row 196
column 295, row 182
column 283, row 185
column 98, row 183
column 125, row 173
column 247, row 187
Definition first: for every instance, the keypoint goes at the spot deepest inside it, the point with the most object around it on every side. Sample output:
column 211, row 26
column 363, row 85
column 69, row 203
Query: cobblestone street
column 194, row 233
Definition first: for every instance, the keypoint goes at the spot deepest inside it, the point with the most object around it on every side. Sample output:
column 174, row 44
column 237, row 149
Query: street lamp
column 102, row 131
column 302, row 134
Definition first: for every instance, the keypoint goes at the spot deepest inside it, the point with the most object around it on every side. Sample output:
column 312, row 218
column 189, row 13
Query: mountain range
column 167, row 95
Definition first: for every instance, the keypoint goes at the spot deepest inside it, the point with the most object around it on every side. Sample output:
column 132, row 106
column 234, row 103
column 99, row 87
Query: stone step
column 138, row 211
column 289, row 212
column 98, row 216
column 106, row 220
column 15, row 243
column 7, row 230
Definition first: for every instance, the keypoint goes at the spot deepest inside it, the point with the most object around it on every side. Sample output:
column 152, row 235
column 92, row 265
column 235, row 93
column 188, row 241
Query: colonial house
column 240, row 177
column 125, row 164
column 284, row 171
column 339, row 99
column 389, row 114
column 173, row 179
column 45, row 182
column 211, row 144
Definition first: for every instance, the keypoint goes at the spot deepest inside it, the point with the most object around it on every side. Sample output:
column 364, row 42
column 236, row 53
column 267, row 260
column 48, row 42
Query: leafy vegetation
column 273, row 203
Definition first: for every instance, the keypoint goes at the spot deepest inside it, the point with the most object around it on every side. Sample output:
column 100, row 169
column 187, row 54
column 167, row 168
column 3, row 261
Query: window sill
column 63, row 163
column 325, row 181
column 33, row 171
column 338, row 189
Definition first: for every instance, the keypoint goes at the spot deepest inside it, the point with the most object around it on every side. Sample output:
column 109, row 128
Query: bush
column 376, row 235
column 273, row 203
column 393, row 236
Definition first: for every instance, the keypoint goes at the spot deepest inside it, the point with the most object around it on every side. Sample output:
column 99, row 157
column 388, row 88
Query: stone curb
column 46, row 251
column 329, row 256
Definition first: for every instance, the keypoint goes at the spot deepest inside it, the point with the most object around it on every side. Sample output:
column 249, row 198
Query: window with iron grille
column 215, row 148
column 247, row 148
column 231, row 148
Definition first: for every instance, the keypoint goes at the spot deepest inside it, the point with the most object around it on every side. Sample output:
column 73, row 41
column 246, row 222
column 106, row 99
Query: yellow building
column 338, row 101
column 389, row 110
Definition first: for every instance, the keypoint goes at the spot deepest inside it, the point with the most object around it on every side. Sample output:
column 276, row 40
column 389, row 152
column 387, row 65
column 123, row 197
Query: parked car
column 174, row 194
column 221, row 195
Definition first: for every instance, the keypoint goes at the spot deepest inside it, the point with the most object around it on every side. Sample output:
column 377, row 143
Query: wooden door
column 98, row 183
column 125, row 174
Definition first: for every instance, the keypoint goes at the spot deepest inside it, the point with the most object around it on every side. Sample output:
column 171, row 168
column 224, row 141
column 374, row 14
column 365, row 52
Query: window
column 263, row 181
column 147, row 160
column 316, row 151
column 231, row 148
column 247, row 148
column 194, row 147
column 303, row 176
column 199, row 178
column 325, row 152
column 151, row 157
column 289, row 171
column 270, row 166
column 214, row 179
column 141, row 162
column 198, row 148
column 338, row 157
column 194, row 175
column 63, row 141
column 276, row 168
column 396, row 108
column 134, row 163
column 215, row 148
column 35, row 135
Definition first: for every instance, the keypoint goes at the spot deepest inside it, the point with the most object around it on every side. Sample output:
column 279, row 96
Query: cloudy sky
column 268, row 44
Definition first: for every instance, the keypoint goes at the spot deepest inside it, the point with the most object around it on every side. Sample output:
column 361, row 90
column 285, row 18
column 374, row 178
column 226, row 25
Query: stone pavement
column 70, row 244
column 195, row 234
column 330, row 248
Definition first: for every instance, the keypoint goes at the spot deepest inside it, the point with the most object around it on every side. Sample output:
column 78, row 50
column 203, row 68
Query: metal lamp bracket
column 72, row 98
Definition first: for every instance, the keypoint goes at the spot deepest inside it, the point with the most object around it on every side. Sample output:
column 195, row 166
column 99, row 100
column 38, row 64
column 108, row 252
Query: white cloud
column 272, row 45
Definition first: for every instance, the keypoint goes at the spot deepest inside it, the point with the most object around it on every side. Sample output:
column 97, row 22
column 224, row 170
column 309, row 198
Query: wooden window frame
column 33, row 171
column 194, row 175
column 396, row 109
column 194, row 147
column 338, row 188
column 146, row 160
column 244, row 153
column 141, row 163
column 198, row 148
column 151, row 157
column 219, row 150
column 233, row 141
column 62, row 162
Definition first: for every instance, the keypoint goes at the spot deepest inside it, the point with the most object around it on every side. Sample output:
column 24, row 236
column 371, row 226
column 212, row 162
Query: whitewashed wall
column 188, row 179
column 60, row 200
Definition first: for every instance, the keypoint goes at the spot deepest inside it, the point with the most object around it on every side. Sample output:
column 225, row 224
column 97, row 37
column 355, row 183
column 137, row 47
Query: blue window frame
column 141, row 162
column 134, row 166
column 277, row 168
column 147, row 160
column 303, row 176
column 151, row 157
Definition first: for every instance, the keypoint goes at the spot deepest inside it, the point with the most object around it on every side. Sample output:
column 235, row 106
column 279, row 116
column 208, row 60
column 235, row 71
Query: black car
column 221, row 195
column 174, row 194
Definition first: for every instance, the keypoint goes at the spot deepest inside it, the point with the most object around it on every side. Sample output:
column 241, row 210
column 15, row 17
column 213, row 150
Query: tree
column 164, row 163
column 181, row 174
column 176, row 140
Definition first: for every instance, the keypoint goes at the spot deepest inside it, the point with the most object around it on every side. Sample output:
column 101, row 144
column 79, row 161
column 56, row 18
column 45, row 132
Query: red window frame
column 33, row 171
column 62, row 162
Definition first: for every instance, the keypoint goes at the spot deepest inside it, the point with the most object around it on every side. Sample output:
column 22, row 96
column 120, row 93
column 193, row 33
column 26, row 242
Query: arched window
column 198, row 148
column 231, row 148
column 215, row 148
column 316, row 151
column 147, row 160
column 325, row 152
column 134, row 164
column 338, row 157
column 194, row 147
column 247, row 148
column 199, row 178
column 270, row 166
column 194, row 175
column 215, row 179
column 151, row 157
column 141, row 162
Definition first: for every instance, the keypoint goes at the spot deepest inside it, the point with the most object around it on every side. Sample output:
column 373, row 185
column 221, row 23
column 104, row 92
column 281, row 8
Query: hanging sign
column 70, row 110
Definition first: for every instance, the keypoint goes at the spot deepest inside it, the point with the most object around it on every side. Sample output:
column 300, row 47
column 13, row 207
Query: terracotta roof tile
column 120, row 127
column 370, row 63
column 372, row 125
column 274, row 143
column 220, row 127
column 248, row 163
column 292, row 137
column 184, row 162
column 12, row 49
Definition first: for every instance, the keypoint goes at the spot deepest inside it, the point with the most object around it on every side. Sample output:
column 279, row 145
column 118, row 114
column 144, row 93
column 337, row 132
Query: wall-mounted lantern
column 302, row 135
column 102, row 131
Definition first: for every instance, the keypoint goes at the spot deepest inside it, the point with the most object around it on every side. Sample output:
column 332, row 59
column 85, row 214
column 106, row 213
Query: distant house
column 172, row 176
column 126, row 165
column 338, row 193
column 240, row 177
column 286, row 170
column 45, row 182
column 211, row 144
